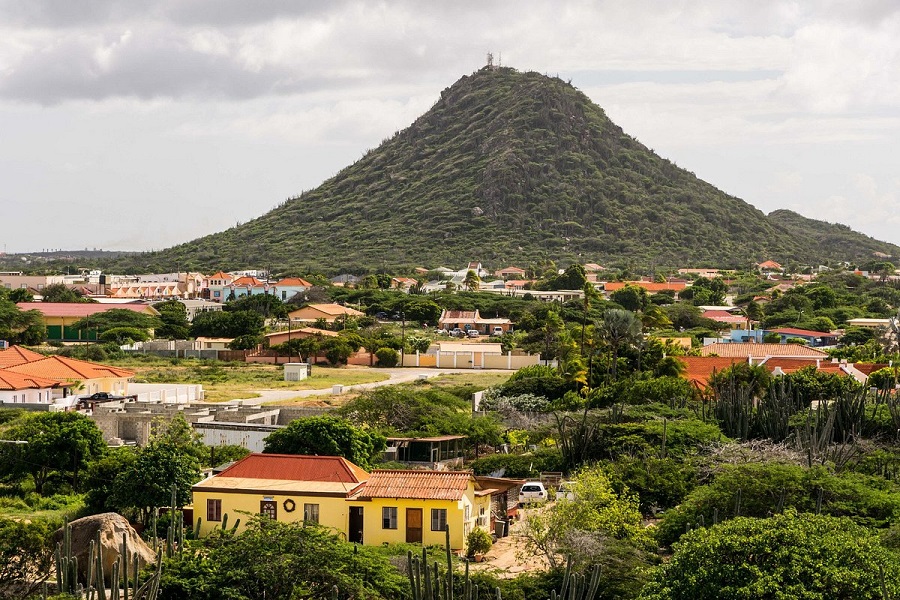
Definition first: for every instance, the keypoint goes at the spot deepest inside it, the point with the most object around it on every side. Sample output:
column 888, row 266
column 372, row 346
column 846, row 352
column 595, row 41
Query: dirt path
column 508, row 557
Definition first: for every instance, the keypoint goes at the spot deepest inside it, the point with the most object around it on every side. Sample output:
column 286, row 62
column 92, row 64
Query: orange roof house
column 89, row 377
column 328, row 312
column 17, row 355
column 16, row 388
column 60, row 316
column 285, row 487
column 742, row 350
column 650, row 286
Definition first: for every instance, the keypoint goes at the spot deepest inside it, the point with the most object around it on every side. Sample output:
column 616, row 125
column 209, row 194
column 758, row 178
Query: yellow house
column 397, row 506
column 284, row 487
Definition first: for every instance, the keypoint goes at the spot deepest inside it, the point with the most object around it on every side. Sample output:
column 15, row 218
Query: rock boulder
column 112, row 527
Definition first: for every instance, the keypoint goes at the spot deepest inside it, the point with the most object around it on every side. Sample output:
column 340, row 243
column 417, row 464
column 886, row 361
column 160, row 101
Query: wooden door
column 356, row 524
column 413, row 525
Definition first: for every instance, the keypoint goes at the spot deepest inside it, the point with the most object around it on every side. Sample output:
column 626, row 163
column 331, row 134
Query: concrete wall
column 471, row 360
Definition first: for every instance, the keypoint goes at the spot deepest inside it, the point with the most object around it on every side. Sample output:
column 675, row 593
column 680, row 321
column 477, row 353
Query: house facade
column 415, row 506
column 59, row 317
column 288, row 488
column 328, row 312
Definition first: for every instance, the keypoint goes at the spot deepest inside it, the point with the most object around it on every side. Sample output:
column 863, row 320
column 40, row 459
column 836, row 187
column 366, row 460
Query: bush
column 387, row 357
column 660, row 483
column 520, row 465
column 478, row 542
column 761, row 489
column 786, row 556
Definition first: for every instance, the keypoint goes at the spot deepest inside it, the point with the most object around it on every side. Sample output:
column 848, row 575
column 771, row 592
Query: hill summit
column 514, row 167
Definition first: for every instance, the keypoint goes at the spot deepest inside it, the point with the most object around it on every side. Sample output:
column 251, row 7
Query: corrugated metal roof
column 81, row 309
column 419, row 485
column 296, row 467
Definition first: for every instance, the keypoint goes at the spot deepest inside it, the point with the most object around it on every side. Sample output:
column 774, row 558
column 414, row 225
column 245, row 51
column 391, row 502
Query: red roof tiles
column 15, row 381
column 80, row 309
column 419, row 485
column 16, row 355
column 62, row 368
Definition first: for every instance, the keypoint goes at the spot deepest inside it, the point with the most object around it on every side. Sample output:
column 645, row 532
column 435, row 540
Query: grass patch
column 477, row 379
column 32, row 506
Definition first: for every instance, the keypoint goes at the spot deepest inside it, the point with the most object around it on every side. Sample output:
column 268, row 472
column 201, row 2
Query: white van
column 497, row 330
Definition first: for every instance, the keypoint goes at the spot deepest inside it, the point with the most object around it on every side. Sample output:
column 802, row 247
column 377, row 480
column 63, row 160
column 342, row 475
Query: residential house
column 652, row 287
column 403, row 283
column 16, row 388
column 510, row 273
column 14, row 280
column 415, row 507
column 84, row 377
column 742, row 350
column 60, row 316
column 592, row 272
column 869, row 323
column 216, row 287
column 769, row 266
column 284, row 487
column 435, row 453
column 812, row 338
column 472, row 320
column 17, row 355
column 328, row 312
column 706, row 273
column 280, row 337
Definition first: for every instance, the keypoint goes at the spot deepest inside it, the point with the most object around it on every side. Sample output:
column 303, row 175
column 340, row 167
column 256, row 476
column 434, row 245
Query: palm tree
column 618, row 329
column 472, row 280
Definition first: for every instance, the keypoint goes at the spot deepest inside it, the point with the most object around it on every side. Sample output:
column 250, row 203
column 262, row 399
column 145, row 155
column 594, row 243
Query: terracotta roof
column 245, row 281
column 769, row 264
column 62, row 368
column 306, row 331
column 869, row 368
column 723, row 316
column 459, row 314
column 803, row 332
column 650, row 286
column 296, row 467
column 698, row 369
column 221, row 275
column 333, row 309
column 742, row 350
column 294, row 281
column 420, row 485
column 16, row 381
column 81, row 309
column 16, row 355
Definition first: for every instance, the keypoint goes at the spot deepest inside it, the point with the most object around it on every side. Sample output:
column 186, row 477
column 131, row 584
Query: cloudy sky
column 139, row 125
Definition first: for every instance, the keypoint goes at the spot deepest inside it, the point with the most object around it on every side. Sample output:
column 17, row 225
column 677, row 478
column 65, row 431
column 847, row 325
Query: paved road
column 395, row 376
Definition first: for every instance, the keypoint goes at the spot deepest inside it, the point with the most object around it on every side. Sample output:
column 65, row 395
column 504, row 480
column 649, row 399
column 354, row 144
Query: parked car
column 473, row 333
column 497, row 330
column 532, row 492
column 457, row 332
column 565, row 491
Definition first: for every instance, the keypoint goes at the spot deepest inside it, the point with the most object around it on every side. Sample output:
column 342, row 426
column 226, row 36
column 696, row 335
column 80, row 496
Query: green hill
column 835, row 240
column 507, row 167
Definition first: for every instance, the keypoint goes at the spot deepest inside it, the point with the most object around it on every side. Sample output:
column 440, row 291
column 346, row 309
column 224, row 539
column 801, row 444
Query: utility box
column 296, row 371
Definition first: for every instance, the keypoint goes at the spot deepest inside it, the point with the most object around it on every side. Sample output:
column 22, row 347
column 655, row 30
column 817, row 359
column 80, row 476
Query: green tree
column 117, row 318
column 229, row 324
column 267, row 306
column 101, row 475
column 58, row 443
column 124, row 335
column 684, row 316
column 280, row 561
column 631, row 297
column 787, row 556
column 26, row 556
column 618, row 329
column 175, row 325
column 327, row 436
column 59, row 292
column 472, row 280
column 20, row 326
column 336, row 350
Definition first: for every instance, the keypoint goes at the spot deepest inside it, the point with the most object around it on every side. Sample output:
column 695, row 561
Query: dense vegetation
column 509, row 167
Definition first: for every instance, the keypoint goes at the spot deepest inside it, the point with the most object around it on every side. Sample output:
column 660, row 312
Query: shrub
column 387, row 357
column 520, row 465
column 478, row 542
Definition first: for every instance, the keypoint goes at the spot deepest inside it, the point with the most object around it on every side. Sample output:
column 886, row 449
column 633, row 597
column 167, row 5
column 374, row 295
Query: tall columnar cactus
column 428, row 583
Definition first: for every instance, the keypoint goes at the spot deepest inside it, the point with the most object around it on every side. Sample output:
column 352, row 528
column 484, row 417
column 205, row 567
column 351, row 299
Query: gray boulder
column 112, row 528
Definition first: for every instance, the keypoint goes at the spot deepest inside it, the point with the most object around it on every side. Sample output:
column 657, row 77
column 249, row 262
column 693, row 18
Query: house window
column 467, row 514
column 213, row 510
column 389, row 517
column 269, row 508
column 438, row 519
column 217, row 294
column 482, row 517
column 311, row 513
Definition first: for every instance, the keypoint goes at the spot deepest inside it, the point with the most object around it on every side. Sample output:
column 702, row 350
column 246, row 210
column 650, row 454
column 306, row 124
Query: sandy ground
column 508, row 557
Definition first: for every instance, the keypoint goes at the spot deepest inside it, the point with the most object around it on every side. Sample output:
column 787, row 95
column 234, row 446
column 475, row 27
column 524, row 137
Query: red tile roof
column 15, row 381
column 650, row 286
column 245, row 281
column 16, row 355
column 869, row 368
column 294, row 282
column 296, row 467
column 459, row 314
column 743, row 350
column 62, row 368
column 803, row 332
column 723, row 316
column 698, row 369
column 80, row 309
column 419, row 485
